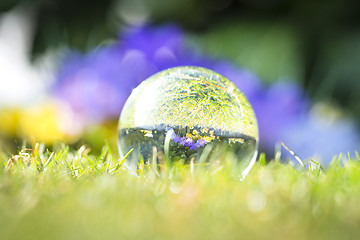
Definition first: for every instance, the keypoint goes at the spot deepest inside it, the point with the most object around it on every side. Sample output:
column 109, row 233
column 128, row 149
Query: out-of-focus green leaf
column 269, row 49
column 337, row 73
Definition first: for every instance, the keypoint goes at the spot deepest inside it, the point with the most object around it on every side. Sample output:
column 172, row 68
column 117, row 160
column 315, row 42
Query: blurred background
column 67, row 67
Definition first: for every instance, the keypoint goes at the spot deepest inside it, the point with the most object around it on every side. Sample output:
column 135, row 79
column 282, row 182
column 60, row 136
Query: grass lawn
column 72, row 194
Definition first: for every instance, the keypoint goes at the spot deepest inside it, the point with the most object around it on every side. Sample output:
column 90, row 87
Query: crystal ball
column 187, row 114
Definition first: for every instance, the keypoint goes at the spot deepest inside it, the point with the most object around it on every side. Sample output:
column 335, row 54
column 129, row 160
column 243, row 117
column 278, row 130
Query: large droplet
column 184, row 114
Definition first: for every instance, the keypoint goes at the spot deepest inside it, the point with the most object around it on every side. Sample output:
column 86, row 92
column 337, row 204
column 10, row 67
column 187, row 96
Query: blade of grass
column 294, row 155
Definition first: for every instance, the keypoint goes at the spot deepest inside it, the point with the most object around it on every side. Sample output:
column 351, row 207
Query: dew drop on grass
column 187, row 113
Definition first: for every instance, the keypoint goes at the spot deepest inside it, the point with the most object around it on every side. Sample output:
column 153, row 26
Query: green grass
column 71, row 194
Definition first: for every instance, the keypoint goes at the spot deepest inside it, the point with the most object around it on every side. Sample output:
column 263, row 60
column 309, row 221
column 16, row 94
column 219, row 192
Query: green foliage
column 72, row 194
column 268, row 48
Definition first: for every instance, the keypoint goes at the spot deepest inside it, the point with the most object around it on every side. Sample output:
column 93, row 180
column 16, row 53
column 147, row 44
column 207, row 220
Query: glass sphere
column 187, row 114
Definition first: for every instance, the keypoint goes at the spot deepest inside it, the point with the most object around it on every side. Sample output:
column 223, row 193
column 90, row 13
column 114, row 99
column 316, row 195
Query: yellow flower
column 9, row 119
column 189, row 135
column 204, row 130
column 43, row 123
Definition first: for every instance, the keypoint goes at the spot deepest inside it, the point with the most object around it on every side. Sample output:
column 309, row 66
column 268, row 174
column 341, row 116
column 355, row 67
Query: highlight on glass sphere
column 187, row 114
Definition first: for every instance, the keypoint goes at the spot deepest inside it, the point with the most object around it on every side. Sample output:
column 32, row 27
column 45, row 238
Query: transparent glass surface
column 185, row 114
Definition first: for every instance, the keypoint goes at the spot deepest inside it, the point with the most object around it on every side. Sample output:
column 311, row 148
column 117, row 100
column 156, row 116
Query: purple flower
column 96, row 85
column 278, row 108
column 160, row 46
column 200, row 143
column 188, row 142
column 177, row 139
